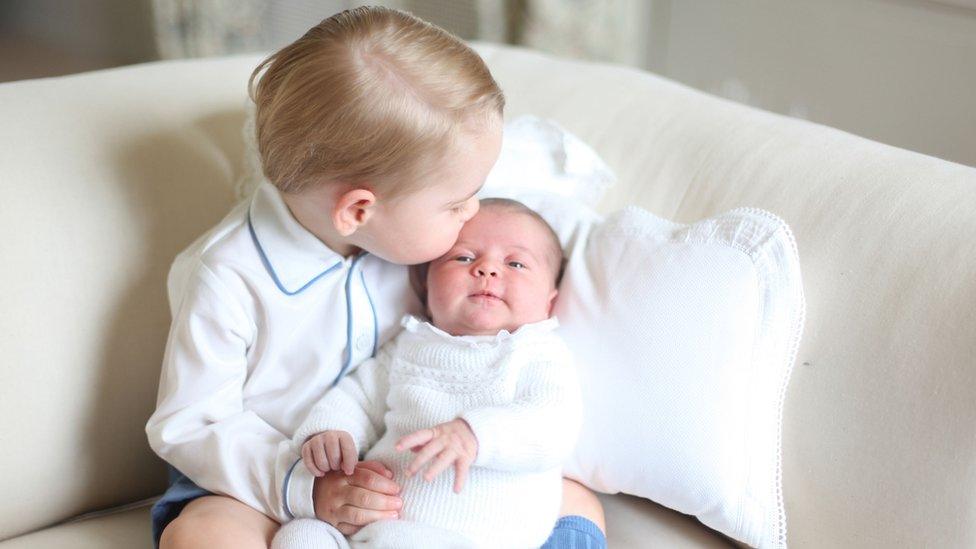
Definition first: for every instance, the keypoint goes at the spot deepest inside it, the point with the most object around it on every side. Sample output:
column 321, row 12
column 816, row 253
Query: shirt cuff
column 298, row 492
column 481, row 423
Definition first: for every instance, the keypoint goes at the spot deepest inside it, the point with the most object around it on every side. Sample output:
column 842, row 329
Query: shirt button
column 363, row 343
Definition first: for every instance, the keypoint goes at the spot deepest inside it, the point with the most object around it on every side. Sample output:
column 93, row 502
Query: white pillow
column 539, row 157
column 685, row 336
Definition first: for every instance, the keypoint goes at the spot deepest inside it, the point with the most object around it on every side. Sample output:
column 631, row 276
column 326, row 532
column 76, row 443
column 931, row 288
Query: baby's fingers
column 334, row 453
column 460, row 474
column 309, row 461
column 424, row 455
column 444, row 460
column 319, row 456
column 349, row 455
column 416, row 438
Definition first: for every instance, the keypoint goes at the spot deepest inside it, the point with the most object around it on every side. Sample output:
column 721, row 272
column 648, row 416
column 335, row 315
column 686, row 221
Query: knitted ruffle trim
column 427, row 330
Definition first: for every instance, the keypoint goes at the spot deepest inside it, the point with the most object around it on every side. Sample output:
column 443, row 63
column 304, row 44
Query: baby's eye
column 516, row 265
column 460, row 208
column 464, row 259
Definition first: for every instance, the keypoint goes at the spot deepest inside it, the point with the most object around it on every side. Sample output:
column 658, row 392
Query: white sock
column 308, row 534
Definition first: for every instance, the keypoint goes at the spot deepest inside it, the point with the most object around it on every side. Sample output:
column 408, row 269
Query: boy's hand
column 330, row 451
column 452, row 443
column 351, row 502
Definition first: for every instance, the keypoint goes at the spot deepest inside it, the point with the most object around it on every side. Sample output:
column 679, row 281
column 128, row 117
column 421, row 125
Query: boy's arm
column 200, row 425
column 539, row 429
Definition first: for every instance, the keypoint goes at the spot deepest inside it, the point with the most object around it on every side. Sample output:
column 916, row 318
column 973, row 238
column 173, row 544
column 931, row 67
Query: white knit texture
column 518, row 392
column 305, row 533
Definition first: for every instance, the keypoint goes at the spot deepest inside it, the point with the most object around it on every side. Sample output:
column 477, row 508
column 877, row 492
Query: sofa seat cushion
column 638, row 522
column 633, row 522
column 127, row 527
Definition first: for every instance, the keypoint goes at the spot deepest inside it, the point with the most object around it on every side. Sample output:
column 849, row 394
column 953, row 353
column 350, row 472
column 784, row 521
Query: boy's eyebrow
column 476, row 191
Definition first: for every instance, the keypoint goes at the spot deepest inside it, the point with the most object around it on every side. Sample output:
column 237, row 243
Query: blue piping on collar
column 271, row 271
column 376, row 328
column 349, row 349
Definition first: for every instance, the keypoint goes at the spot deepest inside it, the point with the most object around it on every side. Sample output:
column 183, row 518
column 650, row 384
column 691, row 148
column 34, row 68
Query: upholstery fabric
column 105, row 176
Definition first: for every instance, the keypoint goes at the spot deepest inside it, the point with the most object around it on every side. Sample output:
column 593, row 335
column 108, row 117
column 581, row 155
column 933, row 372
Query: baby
column 486, row 388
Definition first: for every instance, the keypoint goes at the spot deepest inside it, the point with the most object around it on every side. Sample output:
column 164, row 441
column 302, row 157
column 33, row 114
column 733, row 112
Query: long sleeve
column 539, row 428
column 200, row 425
column 357, row 404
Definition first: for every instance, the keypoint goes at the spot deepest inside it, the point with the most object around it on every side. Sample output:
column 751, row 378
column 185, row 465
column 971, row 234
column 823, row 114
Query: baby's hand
column 330, row 451
column 453, row 443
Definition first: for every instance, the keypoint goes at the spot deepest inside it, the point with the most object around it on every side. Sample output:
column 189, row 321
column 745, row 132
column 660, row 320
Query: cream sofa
column 106, row 176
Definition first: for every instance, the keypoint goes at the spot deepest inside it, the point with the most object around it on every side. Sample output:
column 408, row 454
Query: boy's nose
column 472, row 210
column 483, row 270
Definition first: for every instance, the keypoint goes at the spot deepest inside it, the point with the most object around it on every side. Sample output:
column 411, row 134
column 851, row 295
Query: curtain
column 201, row 28
column 601, row 30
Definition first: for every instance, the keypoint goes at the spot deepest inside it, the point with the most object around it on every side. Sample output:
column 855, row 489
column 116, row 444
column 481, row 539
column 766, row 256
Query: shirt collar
column 294, row 257
column 426, row 329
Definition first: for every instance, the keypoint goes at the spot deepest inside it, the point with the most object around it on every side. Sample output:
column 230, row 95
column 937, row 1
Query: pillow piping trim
column 797, row 311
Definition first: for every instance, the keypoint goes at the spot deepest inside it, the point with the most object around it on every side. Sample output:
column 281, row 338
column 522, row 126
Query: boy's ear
column 353, row 209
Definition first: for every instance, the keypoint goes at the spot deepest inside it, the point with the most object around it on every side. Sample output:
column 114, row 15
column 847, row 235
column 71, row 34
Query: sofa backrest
column 105, row 176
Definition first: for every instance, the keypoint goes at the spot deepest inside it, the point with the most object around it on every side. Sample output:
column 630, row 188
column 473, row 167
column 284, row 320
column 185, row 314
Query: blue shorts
column 181, row 491
column 572, row 532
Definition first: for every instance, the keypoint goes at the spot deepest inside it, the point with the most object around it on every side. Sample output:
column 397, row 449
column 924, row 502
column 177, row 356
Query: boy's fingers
column 361, row 517
column 460, row 475
column 443, row 461
column 416, row 438
column 373, row 481
column 333, row 452
column 349, row 454
column 433, row 448
column 367, row 499
column 309, row 462
column 377, row 466
column 347, row 529
column 318, row 456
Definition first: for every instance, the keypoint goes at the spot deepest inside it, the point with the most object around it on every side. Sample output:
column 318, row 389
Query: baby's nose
column 485, row 271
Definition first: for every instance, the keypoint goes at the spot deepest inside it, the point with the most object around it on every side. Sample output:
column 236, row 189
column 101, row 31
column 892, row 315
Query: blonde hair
column 370, row 95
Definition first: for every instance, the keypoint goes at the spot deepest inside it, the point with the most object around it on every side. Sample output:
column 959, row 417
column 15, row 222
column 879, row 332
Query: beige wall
column 902, row 72
column 53, row 37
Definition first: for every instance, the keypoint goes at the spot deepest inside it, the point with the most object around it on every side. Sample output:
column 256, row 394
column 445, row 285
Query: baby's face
column 497, row 276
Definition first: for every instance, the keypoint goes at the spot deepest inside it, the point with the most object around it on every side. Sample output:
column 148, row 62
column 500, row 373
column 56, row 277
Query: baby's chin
column 480, row 322
column 471, row 323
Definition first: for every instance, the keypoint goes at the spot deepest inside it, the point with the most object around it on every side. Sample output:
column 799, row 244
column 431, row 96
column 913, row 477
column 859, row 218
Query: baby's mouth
column 485, row 294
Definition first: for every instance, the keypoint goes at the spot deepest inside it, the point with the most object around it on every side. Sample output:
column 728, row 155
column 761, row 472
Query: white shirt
column 266, row 318
column 518, row 392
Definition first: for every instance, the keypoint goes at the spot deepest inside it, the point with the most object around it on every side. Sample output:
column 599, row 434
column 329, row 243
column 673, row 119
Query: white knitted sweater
column 518, row 392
